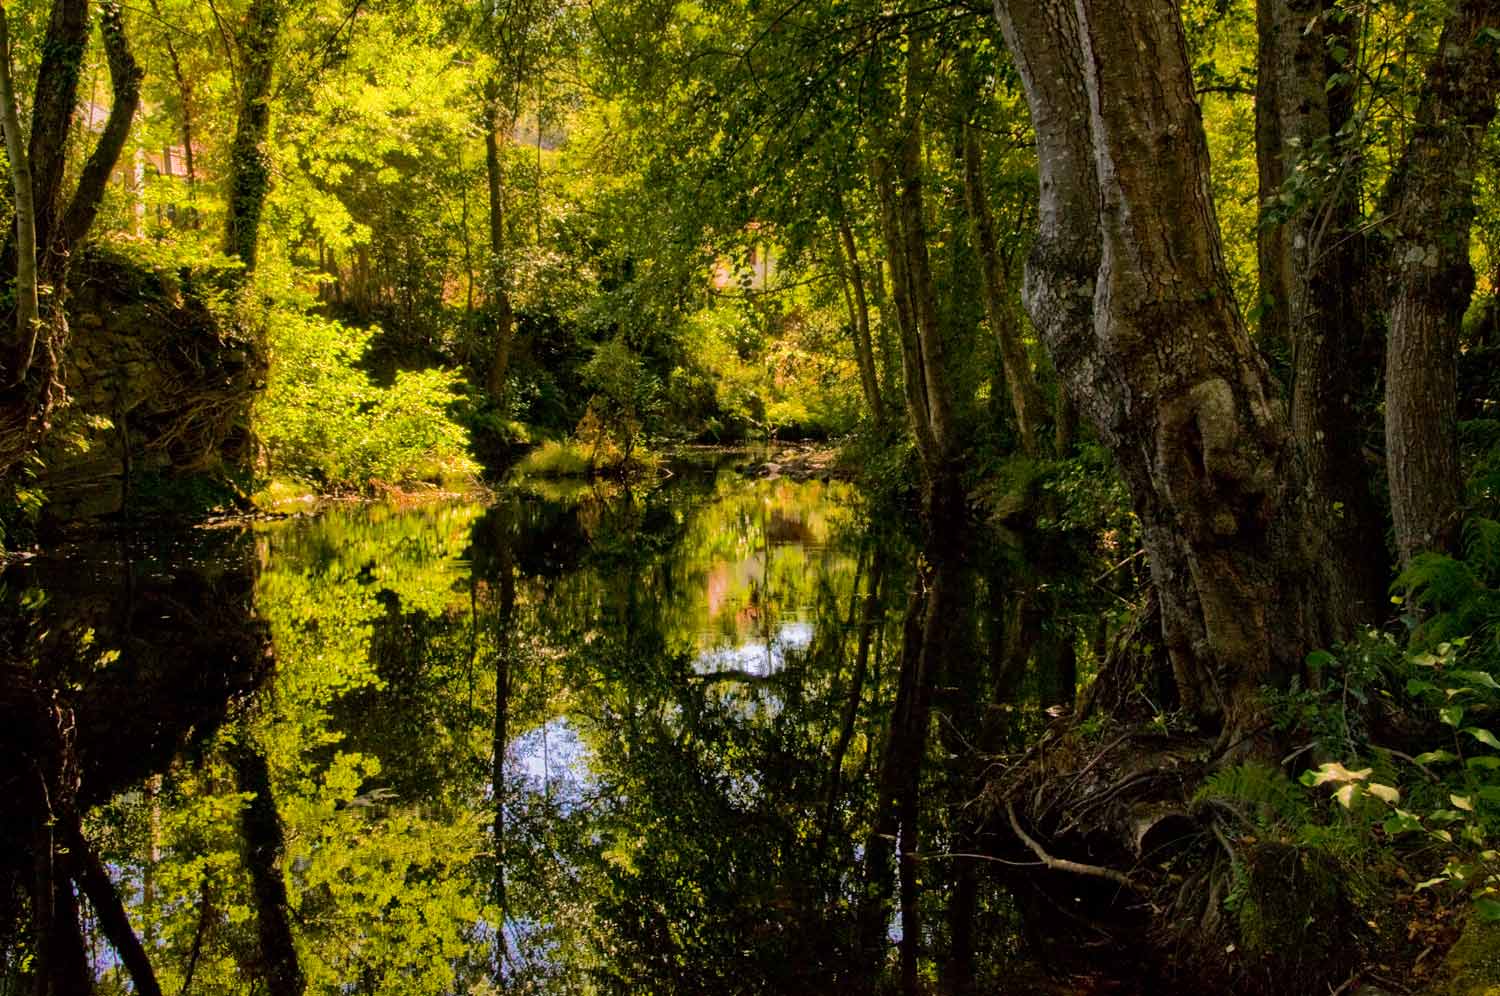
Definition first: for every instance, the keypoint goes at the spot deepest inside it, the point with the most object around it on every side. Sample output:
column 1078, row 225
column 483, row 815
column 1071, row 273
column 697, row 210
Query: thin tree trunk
column 923, row 288
column 1432, row 199
column 496, row 132
column 851, row 275
column 185, row 95
column 913, row 379
column 249, row 162
column 28, row 313
column 1025, row 401
column 125, row 80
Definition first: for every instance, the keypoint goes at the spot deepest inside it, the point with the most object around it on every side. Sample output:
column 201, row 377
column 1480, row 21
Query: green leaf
column 1482, row 735
column 1320, row 659
column 1452, row 715
column 1478, row 678
column 1487, row 761
column 1488, row 910
column 1436, row 757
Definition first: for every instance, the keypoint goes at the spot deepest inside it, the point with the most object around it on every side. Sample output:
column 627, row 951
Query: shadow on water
column 117, row 658
column 583, row 739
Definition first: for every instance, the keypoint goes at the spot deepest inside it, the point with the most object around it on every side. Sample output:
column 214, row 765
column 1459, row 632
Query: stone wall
column 160, row 383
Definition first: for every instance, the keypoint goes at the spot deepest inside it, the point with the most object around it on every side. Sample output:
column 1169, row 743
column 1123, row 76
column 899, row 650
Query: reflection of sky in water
column 552, row 758
column 761, row 658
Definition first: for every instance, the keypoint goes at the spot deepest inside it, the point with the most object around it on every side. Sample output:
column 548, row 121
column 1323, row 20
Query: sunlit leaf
column 1483, row 736
column 1333, row 771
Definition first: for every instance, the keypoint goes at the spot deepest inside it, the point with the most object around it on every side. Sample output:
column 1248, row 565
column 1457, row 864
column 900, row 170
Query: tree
column 1431, row 199
column 50, row 227
column 27, row 308
column 249, row 162
column 1128, row 287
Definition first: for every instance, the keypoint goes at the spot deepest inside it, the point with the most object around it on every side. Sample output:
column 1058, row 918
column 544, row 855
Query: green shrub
column 323, row 421
column 554, row 459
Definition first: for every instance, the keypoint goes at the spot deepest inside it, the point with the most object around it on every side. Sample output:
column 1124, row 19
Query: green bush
column 323, row 421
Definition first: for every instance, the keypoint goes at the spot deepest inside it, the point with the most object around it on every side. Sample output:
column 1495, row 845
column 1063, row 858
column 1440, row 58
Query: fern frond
column 1274, row 797
column 1438, row 582
column 1482, row 547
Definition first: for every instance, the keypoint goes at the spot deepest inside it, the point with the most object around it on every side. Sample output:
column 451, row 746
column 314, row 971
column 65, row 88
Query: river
column 691, row 684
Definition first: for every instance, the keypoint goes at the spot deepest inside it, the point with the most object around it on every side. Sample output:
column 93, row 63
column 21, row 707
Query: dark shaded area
column 117, row 658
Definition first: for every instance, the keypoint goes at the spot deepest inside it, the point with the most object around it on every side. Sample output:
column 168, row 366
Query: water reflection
column 683, row 736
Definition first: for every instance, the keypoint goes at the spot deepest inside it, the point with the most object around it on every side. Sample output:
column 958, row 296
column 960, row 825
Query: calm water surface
column 685, row 748
column 580, row 738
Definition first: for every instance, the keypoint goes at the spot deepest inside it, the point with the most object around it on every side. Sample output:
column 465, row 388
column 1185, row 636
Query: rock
column 1472, row 966
column 146, row 354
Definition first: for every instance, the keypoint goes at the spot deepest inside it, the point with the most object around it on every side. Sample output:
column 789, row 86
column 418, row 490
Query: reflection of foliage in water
column 696, row 840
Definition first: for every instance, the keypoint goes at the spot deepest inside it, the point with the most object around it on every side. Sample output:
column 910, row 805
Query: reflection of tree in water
column 706, row 825
column 115, row 666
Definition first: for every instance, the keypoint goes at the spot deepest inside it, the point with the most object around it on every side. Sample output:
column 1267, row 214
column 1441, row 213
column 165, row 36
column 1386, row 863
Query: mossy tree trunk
column 1316, row 295
column 249, row 162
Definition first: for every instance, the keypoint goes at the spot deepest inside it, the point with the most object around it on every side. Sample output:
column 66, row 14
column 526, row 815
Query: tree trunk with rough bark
column 1153, row 350
column 1315, row 293
column 1431, row 197
column 52, row 114
column 125, row 80
column 249, row 162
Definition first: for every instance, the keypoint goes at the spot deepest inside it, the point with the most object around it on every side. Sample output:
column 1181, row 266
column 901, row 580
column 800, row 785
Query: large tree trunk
column 1313, row 283
column 249, row 162
column 1165, row 369
column 1431, row 197
column 52, row 113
